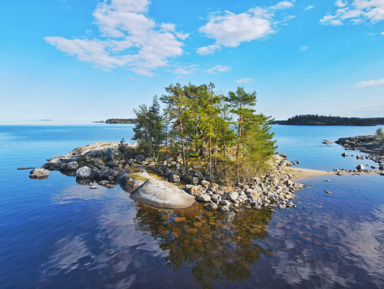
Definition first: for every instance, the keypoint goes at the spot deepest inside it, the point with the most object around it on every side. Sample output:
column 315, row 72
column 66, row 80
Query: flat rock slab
column 162, row 194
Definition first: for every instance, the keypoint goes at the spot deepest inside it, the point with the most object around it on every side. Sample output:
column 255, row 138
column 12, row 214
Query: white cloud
column 218, row 68
column 130, row 39
column 366, row 83
column 230, row 29
column 309, row 7
column 355, row 11
column 282, row 5
column 382, row 33
column 185, row 69
column 245, row 80
column 304, row 48
column 340, row 3
column 208, row 49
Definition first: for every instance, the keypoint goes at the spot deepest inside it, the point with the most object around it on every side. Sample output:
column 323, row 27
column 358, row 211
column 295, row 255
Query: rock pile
column 372, row 144
column 108, row 165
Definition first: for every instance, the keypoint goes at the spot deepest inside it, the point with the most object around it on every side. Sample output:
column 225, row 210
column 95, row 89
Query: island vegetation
column 121, row 121
column 314, row 119
column 222, row 134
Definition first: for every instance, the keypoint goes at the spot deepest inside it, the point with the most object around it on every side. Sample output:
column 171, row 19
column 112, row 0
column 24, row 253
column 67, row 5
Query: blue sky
column 69, row 60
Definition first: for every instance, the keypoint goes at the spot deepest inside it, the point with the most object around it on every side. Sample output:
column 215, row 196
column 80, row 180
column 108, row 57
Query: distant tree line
column 222, row 134
column 121, row 120
column 314, row 119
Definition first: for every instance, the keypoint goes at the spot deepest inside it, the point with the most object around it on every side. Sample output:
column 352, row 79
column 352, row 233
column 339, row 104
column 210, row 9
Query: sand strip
column 300, row 173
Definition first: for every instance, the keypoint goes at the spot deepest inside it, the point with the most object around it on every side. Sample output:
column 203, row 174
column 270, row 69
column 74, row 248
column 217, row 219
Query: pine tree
column 242, row 104
column 259, row 145
column 176, row 107
column 149, row 129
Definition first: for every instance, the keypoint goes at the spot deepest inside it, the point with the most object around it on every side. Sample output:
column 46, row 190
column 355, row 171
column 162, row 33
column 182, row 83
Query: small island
column 202, row 146
column 121, row 121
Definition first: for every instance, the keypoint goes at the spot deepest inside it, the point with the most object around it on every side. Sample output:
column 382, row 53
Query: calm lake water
column 55, row 233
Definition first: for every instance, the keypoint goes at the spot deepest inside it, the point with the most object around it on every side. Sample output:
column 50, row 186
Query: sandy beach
column 300, row 173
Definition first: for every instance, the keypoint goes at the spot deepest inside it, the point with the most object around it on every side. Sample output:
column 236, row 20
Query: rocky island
column 371, row 144
column 166, row 184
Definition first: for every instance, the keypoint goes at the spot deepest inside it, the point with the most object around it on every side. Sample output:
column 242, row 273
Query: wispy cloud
column 382, row 33
column 309, row 7
column 355, row 12
column 205, row 50
column 218, row 68
column 366, row 83
column 129, row 39
column 304, row 48
column 230, row 29
column 185, row 69
column 245, row 80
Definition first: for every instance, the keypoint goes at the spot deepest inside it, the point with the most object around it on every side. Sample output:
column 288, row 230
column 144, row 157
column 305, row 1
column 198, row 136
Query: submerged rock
column 39, row 174
column 162, row 194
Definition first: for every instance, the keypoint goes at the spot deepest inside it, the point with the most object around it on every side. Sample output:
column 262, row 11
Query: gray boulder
column 360, row 167
column 224, row 209
column 125, row 181
column 233, row 196
column 205, row 184
column 54, row 164
column 224, row 203
column 204, row 198
column 106, row 173
column 39, row 174
column 84, row 173
column 212, row 207
column 162, row 194
column 196, row 191
column 71, row 166
column 174, row 178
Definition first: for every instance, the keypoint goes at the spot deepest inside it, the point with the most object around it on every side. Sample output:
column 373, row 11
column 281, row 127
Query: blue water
column 55, row 233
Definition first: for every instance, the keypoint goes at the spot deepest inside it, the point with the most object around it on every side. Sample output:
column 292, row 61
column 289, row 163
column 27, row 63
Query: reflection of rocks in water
column 75, row 192
column 69, row 173
column 217, row 246
column 84, row 182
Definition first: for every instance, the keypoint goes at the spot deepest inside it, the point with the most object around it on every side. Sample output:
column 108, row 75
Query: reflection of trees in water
column 220, row 246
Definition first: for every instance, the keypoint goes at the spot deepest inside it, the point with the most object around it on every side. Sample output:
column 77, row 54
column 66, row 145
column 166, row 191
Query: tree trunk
column 210, row 157
column 182, row 134
column 238, row 148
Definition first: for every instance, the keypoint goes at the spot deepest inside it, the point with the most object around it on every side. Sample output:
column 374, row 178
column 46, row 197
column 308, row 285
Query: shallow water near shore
column 55, row 233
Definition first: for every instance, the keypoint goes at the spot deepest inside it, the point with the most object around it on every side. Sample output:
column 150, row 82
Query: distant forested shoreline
column 121, row 120
column 311, row 119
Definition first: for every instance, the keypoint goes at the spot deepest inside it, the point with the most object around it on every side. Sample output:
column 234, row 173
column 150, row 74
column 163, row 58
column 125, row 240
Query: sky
column 81, row 61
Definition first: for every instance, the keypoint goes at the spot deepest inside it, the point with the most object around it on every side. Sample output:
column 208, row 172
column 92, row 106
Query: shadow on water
column 218, row 247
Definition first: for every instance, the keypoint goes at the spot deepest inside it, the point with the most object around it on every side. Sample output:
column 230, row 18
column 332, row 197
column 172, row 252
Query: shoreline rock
column 171, row 186
column 39, row 173
column 373, row 145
